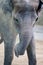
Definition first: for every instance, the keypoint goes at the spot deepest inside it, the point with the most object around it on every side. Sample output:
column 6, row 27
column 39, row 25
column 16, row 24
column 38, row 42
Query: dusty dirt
column 23, row 60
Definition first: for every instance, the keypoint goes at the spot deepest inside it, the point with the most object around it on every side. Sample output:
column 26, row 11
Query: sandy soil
column 22, row 60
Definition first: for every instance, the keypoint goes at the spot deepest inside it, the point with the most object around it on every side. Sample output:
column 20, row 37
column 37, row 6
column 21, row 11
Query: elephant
column 18, row 17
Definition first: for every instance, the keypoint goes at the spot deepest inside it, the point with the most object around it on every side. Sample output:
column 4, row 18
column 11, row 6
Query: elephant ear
column 39, row 6
column 7, row 6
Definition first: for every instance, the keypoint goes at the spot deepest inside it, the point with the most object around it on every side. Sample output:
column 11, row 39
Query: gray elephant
column 17, row 17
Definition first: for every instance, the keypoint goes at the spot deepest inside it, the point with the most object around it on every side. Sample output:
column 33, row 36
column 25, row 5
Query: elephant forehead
column 26, row 1
column 34, row 3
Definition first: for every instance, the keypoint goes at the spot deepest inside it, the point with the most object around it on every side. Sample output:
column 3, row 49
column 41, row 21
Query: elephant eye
column 17, row 23
column 36, row 18
column 15, row 19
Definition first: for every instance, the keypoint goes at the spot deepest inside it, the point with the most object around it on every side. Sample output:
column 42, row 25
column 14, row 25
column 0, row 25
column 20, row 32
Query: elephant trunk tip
column 1, row 39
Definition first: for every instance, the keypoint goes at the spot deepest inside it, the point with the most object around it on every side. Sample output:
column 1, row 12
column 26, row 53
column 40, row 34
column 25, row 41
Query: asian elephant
column 18, row 17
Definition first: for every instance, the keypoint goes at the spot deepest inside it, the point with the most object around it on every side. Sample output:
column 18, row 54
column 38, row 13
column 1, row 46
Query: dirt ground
column 23, row 60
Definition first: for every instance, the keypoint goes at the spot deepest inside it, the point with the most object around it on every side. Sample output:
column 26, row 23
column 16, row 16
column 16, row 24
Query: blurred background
column 38, row 28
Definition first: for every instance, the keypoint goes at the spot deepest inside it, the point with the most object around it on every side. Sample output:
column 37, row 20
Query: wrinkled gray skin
column 20, row 21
